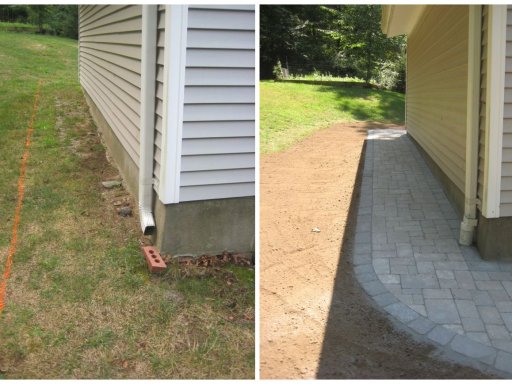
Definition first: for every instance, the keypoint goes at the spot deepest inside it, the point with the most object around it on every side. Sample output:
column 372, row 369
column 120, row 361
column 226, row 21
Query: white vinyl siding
column 110, row 63
column 159, row 90
column 218, row 159
column 483, row 99
column 506, row 169
column 437, row 87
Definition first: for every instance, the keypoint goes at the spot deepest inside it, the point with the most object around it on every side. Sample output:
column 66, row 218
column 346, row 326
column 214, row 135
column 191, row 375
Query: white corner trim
column 497, row 41
column 173, row 97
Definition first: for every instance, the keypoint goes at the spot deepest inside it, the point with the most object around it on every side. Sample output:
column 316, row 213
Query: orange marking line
column 21, row 190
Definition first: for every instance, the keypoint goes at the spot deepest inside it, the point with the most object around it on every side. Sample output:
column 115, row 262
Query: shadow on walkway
column 360, row 342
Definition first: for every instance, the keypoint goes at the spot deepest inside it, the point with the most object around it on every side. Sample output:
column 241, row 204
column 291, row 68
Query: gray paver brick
column 462, row 294
column 420, row 281
column 446, row 283
column 402, row 312
column 441, row 335
column 498, row 332
column 465, row 279
column 499, row 295
column 404, row 250
column 363, row 248
column 402, row 261
column 399, row 269
column 384, row 254
column 504, row 345
column 422, row 325
column 500, row 276
column 363, row 268
column 381, row 266
column 366, row 277
column 374, row 287
column 488, row 285
column 471, row 348
column 442, row 311
column 508, row 286
column 450, row 265
column 445, row 274
column 432, row 293
column 419, row 308
column 385, row 299
column 389, row 279
column 504, row 307
column 504, row 361
column 482, row 298
column 362, row 259
column 457, row 328
column 507, row 319
column 467, row 308
column 479, row 337
column 490, row 315
column 480, row 275
column 425, row 267
column 472, row 324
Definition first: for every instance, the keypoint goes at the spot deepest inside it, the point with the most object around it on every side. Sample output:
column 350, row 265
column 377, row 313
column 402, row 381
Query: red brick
column 153, row 258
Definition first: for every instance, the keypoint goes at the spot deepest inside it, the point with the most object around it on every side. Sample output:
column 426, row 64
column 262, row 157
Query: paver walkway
column 408, row 260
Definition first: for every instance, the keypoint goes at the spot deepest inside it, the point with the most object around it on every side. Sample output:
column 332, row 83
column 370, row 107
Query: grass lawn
column 20, row 27
column 290, row 112
column 80, row 302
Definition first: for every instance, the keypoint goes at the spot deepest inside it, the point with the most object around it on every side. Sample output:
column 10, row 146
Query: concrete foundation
column 189, row 228
column 494, row 238
column 205, row 227
column 454, row 194
column 128, row 169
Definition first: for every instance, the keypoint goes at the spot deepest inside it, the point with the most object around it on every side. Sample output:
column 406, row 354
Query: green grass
column 289, row 112
column 80, row 301
column 19, row 27
column 317, row 76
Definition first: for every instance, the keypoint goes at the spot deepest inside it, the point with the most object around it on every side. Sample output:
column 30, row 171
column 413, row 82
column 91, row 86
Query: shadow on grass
column 390, row 105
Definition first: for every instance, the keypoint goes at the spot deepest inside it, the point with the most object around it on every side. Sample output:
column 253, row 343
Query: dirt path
column 301, row 334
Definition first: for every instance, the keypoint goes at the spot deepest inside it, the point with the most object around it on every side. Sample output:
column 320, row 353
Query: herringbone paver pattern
column 408, row 259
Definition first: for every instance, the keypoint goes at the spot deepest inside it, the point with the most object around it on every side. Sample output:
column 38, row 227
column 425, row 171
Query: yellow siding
column 437, row 87
column 506, row 176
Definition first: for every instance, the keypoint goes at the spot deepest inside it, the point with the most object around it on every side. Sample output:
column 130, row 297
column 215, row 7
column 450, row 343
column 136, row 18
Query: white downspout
column 469, row 222
column 147, row 117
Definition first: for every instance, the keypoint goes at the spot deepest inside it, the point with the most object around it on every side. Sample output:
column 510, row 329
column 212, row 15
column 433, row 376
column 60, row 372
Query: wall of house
column 437, row 88
column 110, row 64
column 218, row 148
column 506, row 169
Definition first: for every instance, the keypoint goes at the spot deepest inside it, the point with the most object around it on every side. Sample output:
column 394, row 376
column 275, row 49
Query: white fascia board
column 173, row 98
column 400, row 19
column 497, row 41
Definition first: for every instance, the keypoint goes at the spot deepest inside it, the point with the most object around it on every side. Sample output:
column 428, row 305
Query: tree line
column 59, row 20
column 340, row 40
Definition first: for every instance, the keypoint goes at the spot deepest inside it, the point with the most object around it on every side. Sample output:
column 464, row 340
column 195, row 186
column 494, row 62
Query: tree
column 343, row 40
column 38, row 15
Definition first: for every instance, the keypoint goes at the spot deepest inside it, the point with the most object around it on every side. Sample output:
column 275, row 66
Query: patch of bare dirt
column 315, row 320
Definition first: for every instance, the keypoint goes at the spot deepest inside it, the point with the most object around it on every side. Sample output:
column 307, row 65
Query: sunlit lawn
column 290, row 112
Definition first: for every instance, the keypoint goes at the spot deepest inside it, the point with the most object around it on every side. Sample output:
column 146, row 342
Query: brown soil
column 316, row 322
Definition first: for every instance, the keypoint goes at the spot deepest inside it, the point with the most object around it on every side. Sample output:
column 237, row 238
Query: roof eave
column 400, row 19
